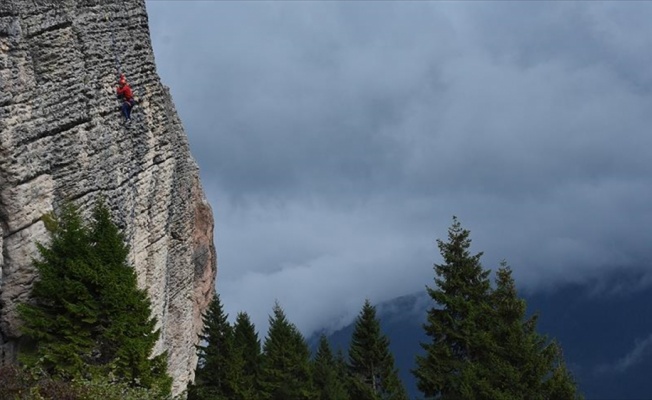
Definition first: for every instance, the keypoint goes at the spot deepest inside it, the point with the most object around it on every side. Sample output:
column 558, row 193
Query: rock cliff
column 62, row 138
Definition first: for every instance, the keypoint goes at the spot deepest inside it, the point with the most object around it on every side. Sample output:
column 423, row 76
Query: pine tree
column 525, row 363
column 87, row 316
column 458, row 325
column 128, row 333
column 246, row 347
column 482, row 346
column 214, row 376
column 561, row 385
column 58, row 328
column 285, row 372
column 371, row 364
column 342, row 368
column 329, row 382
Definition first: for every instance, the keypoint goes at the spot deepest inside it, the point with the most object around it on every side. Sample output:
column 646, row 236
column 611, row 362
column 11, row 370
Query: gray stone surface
column 62, row 138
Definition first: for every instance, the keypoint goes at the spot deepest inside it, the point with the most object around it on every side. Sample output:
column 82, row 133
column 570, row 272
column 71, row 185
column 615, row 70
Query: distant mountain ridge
column 607, row 339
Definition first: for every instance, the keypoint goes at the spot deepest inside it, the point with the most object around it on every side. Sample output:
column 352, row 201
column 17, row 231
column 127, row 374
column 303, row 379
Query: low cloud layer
column 337, row 139
column 640, row 351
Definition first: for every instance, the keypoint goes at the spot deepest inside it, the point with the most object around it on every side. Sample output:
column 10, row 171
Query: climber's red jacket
column 125, row 91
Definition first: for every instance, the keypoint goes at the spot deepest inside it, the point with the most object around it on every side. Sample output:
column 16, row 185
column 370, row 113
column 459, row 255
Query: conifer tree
column 525, row 363
column 342, row 368
column 285, row 372
column 459, row 324
column 371, row 364
column 482, row 346
column 246, row 347
column 328, row 378
column 214, row 376
column 58, row 328
column 87, row 316
column 128, row 333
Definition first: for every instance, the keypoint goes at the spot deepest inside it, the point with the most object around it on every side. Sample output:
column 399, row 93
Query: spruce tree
column 246, row 347
column 329, row 382
column 525, row 363
column 128, row 333
column 87, row 316
column 59, row 325
column 285, row 372
column 214, row 376
column 459, row 323
column 371, row 364
column 482, row 345
column 342, row 368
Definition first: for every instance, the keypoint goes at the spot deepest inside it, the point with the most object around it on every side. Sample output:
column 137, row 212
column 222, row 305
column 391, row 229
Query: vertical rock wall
column 62, row 138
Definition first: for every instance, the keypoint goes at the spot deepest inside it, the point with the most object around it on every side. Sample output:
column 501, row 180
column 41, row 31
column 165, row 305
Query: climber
column 124, row 92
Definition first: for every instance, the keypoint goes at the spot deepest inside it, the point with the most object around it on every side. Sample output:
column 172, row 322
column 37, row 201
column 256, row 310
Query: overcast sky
column 336, row 140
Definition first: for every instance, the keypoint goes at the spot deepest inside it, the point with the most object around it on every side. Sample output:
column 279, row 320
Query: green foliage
column 247, row 355
column 61, row 322
column 21, row 384
column 482, row 346
column 329, row 374
column 459, row 325
column 285, row 372
column 129, row 334
column 527, row 361
column 371, row 364
column 87, row 317
column 342, row 368
column 214, row 376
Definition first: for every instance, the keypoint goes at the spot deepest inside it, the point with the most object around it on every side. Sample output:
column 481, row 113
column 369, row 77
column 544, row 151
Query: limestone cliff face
column 62, row 138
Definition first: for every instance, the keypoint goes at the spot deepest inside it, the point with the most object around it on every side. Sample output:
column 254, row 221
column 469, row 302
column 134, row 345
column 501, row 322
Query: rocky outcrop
column 62, row 138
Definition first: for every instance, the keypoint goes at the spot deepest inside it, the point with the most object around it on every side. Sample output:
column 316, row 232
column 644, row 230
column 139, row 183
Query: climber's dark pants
column 126, row 108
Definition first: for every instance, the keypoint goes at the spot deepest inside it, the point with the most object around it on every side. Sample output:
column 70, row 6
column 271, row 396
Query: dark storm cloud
column 336, row 140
